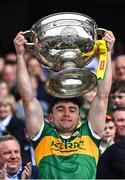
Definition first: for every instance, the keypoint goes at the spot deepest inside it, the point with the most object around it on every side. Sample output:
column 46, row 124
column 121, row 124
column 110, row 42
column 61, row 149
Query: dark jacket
column 34, row 173
column 111, row 164
column 16, row 128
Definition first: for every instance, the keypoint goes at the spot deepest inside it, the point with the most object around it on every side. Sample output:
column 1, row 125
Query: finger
column 19, row 36
column 28, row 166
column 109, row 34
column 25, row 173
column 20, row 40
column 109, row 38
column 3, row 170
column 21, row 33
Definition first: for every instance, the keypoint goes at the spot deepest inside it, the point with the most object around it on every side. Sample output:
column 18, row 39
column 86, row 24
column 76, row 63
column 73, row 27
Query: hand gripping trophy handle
column 31, row 36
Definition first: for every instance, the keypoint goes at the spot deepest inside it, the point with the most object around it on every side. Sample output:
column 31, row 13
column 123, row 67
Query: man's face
column 119, row 118
column 120, row 68
column 109, row 131
column 5, row 110
column 118, row 98
column 65, row 117
column 10, row 154
column 4, row 91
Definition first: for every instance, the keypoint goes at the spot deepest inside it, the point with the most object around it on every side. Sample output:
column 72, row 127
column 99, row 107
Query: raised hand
column 19, row 42
column 26, row 174
column 3, row 172
column 110, row 39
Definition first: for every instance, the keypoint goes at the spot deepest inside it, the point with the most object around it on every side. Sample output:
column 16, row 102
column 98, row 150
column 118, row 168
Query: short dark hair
column 118, row 85
column 118, row 108
column 76, row 100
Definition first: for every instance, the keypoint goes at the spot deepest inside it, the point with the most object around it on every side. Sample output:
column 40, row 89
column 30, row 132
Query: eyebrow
column 61, row 106
column 121, row 119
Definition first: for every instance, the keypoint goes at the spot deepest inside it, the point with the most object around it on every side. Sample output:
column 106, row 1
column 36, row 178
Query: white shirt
column 4, row 123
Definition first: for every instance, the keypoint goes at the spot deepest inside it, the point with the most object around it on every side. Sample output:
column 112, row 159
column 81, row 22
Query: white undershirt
column 66, row 137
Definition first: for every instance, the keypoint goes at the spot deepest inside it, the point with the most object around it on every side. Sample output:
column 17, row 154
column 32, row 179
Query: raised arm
column 98, row 108
column 32, row 108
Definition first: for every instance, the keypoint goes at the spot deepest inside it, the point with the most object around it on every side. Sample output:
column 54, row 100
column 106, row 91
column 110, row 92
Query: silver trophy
column 63, row 42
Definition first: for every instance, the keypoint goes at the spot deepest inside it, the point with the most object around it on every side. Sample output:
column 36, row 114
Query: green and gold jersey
column 73, row 158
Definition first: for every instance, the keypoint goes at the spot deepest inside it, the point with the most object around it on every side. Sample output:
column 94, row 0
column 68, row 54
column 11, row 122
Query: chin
column 13, row 168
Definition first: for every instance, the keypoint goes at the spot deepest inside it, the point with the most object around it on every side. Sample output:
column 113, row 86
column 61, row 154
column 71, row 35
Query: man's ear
column 50, row 118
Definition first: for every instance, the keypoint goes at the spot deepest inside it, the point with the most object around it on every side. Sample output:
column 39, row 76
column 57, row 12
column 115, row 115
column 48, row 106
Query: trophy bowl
column 64, row 42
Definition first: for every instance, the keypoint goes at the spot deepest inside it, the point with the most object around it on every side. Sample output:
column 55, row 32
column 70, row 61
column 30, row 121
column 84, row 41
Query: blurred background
column 18, row 16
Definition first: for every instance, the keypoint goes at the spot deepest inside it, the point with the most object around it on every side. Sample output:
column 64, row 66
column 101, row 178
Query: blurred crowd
column 12, row 118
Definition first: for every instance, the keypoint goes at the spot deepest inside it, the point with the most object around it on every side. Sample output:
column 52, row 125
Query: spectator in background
column 120, row 67
column 113, row 70
column 9, row 75
column 11, row 162
column 2, row 64
column 119, row 119
column 44, row 104
column 4, row 89
column 117, row 93
column 108, row 137
column 28, row 153
column 34, row 68
column 111, row 164
column 9, row 122
column 10, row 58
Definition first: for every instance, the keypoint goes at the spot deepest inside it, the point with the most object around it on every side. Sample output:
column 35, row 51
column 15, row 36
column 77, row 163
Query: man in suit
column 111, row 164
column 11, row 162
column 9, row 121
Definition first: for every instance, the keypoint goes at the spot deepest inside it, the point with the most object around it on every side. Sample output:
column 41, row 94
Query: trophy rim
column 59, row 13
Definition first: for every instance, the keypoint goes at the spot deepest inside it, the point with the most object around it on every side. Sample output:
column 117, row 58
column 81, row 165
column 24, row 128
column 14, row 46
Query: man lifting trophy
column 65, row 146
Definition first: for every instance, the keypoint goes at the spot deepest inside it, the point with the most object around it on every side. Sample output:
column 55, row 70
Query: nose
column 13, row 155
column 116, row 100
column 66, row 112
column 124, row 123
column 107, row 131
column 2, row 107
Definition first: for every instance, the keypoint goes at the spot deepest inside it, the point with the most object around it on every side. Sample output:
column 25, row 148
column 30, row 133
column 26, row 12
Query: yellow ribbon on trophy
column 100, row 45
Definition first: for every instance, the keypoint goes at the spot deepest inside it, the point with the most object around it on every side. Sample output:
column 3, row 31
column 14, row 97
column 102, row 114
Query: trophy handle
column 32, row 37
column 99, row 33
